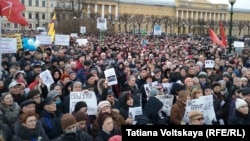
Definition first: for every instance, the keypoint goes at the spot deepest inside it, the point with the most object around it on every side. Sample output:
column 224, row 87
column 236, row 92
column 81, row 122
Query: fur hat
column 80, row 116
column 240, row 102
column 67, row 120
column 195, row 114
column 103, row 104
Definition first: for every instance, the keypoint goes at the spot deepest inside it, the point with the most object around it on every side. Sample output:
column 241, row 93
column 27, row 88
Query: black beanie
column 80, row 105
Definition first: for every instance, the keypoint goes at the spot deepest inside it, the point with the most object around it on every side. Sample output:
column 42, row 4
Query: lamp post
column 74, row 24
column 230, row 39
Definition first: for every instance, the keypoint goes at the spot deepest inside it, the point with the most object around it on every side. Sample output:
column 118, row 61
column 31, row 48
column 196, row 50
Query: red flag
column 12, row 10
column 9, row 6
column 215, row 39
column 223, row 35
column 17, row 18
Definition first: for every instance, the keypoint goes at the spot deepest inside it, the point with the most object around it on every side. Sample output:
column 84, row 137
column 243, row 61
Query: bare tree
column 247, row 24
column 125, row 19
column 154, row 20
column 166, row 21
column 240, row 24
column 132, row 21
column 147, row 21
column 139, row 20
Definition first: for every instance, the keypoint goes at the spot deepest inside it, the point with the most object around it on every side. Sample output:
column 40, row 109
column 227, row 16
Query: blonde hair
column 183, row 94
column 194, row 91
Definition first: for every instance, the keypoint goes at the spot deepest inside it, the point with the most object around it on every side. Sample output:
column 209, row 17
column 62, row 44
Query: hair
column 33, row 93
column 24, row 116
column 64, row 76
column 76, row 83
column 195, row 90
column 79, row 105
column 183, row 95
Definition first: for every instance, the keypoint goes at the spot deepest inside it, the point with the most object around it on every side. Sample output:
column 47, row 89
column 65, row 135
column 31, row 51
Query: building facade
column 180, row 16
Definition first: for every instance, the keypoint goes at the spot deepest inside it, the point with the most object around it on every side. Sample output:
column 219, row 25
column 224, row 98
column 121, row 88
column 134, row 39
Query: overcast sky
column 238, row 4
column 244, row 4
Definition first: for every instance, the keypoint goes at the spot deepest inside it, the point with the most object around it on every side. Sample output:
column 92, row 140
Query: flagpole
column 0, row 47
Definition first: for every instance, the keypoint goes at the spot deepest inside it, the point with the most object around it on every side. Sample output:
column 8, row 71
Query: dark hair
column 80, row 105
column 33, row 93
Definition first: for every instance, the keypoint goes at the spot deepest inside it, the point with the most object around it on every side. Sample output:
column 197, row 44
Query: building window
column 43, row 3
column 23, row 2
column 37, row 15
column 30, row 2
column 30, row 15
column 15, row 25
column 37, row 3
column 43, row 16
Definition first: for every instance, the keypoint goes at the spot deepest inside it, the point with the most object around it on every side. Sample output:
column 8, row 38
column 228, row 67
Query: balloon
column 29, row 44
column 37, row 43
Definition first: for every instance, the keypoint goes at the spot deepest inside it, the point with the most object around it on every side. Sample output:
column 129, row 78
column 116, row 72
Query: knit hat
column 53, row 94
column 202, row 74
column 222, row 82
column 4, row 94
column 187, row 80
column 101, row 118
column 226, row 74
column 80, row 116
column 240, row 102
column 215, row 85
column 195, row 114
column 67, row 120
column 27, row 102
column 115, row 138
column 80, row 105
column 103, row 104
column 154, row 92
column 89, row 76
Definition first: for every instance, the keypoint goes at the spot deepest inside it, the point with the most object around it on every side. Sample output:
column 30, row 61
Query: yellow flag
column 51, row 27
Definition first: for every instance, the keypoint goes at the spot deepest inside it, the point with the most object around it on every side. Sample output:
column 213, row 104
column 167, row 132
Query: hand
column 129, row 121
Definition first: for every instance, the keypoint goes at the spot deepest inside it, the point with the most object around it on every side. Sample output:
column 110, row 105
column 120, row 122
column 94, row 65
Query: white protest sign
column 74, row 35
column 102, row 23
column 110, row 76
column 83, row 29
column 157, row 30
column 238, row 44
column 62, row 40
column 134, row 111
column 44, row 39
column 148, row 87
column 8, row 45
column 167, row 101
column 209, row 63
column 167, row 88
column 47, row 78
column 203, row 104
column 88, row 96
column 82, row 41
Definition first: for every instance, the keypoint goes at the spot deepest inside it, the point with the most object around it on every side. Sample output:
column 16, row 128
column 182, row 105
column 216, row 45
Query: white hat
column 240, row 102
column 13, row 84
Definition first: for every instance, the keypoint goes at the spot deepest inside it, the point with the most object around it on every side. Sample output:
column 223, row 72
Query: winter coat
column 117, row 119
column 239, row 119
column 23, row 133
column 51, row 124
column 80, row 135
column 104, row 136
column 151, row 111
column 11, row 112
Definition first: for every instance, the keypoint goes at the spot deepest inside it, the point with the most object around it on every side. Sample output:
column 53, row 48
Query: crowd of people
column 30, row 110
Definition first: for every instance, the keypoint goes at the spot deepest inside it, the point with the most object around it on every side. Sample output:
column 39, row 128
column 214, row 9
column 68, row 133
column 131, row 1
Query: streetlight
column 230, row 39
column 74, row 23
